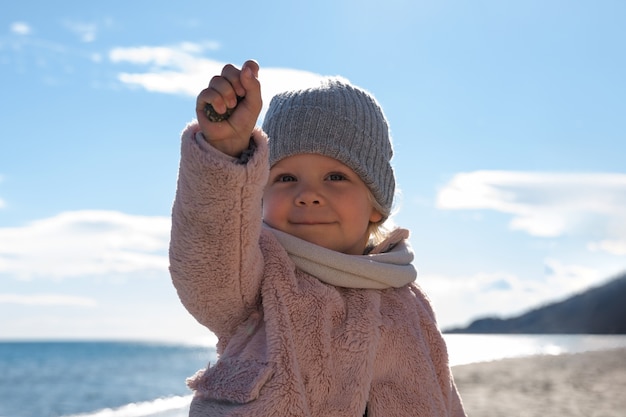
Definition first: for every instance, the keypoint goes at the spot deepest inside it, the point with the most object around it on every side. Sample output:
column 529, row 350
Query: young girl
column 276, row 247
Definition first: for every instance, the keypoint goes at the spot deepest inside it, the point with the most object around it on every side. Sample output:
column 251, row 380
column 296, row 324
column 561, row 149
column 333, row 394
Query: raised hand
column 233, row 101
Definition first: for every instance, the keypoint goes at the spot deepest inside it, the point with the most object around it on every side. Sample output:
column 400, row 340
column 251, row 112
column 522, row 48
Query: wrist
column 233, row 148
column 240, row 156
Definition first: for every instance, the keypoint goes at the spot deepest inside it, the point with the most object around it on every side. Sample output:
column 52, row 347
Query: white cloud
column 457, row 300
column 47, row 300
column 181, row 69
column 615, row 247
column 85, row 243
column 21, row 28
column 546, row 204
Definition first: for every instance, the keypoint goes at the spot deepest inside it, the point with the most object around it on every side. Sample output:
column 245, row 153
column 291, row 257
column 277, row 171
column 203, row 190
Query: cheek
column 361, row 206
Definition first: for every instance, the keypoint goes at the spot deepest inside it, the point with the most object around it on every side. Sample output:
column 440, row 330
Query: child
column 273, row 249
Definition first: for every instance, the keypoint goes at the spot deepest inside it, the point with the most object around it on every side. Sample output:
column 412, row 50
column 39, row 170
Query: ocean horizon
column 97, row 378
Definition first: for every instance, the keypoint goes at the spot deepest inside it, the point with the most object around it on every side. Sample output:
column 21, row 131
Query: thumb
column 253, row 66
column 250, row 81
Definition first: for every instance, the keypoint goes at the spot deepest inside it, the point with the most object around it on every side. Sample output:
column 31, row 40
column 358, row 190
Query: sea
column 147, row 379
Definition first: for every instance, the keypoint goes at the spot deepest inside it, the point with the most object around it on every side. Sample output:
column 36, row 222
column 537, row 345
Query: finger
column 220, row 95
column 209, row 98
column 214, row 116
column 250, row 81
column 233, row 74
column 226, row 87
column 253, row 65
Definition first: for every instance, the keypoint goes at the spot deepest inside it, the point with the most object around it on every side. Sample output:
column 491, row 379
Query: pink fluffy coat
column 289, row 344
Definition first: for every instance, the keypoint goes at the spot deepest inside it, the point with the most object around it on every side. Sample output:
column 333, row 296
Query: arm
column 215, row 259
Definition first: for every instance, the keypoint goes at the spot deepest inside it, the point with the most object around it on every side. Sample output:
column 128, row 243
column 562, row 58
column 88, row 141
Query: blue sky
column 507, row 118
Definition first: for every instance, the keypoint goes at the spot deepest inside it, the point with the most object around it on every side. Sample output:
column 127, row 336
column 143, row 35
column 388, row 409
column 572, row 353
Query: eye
column 285, row 178
column 335, row 176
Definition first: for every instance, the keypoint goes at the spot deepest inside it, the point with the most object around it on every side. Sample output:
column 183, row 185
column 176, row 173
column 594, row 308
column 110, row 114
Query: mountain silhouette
column 598, row 310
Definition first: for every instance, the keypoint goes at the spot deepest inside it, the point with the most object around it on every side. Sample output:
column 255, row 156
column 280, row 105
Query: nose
column 308, row 196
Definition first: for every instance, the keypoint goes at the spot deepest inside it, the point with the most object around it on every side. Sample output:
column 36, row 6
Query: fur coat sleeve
column 218, row 287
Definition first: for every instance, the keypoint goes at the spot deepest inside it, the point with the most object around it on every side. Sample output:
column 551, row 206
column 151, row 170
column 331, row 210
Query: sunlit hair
column 378, row 231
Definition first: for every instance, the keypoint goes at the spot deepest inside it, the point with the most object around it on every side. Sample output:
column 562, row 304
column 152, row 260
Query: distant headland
column 599, row 310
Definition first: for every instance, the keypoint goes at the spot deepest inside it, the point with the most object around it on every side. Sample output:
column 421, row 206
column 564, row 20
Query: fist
column 227, row 110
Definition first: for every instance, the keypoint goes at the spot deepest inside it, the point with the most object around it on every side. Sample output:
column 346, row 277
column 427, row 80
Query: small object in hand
column 214, row 116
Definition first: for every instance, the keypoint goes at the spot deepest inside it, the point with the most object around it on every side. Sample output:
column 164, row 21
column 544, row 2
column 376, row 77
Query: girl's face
column 320, row 200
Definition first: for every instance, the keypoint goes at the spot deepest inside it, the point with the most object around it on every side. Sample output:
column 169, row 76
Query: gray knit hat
column 340, row 121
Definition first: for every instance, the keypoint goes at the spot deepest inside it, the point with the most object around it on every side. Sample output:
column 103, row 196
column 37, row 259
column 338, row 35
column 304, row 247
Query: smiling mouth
column 310, row 223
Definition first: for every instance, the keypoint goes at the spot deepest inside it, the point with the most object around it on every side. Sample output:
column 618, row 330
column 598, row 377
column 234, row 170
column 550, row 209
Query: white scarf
column 387, row 265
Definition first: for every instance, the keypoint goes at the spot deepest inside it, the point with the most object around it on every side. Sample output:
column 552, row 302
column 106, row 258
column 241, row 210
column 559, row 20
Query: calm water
column 116, row 379
column 49, row 379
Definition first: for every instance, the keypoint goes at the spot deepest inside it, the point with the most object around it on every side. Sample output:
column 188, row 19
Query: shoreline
column 572, row 384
